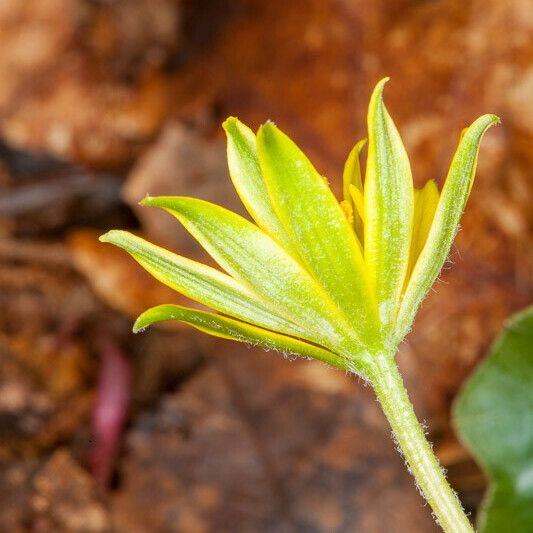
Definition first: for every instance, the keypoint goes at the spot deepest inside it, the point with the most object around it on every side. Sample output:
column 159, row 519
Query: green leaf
column 494, row 417
column 445, row 222
column 318, row 228
column 228, row 328
column 388, row 196
column 203, row 283
column 246, row 176
column 252, row 257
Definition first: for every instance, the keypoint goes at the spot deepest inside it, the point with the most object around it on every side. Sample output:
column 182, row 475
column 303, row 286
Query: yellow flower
column 339, row 282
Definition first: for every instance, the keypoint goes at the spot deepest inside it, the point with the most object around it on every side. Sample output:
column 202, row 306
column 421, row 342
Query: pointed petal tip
column 380, row 86
column 109, row 237
column 268, row 127
column 489, row 119
column 165, row 202
column 270, row 139
column 146, row 201
column 139, row 326
column 231, row 123
column 143, row 321
column 376, row 107
column 115, row 236
column 486, row 122
column 430, row 184
column 151, row 316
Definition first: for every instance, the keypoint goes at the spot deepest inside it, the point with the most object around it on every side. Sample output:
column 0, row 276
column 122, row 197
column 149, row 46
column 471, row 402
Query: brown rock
column 15, row 490
column 180, row 163
column 65, row 498
column 65, row 65
column 116, row 278
column 255, row 443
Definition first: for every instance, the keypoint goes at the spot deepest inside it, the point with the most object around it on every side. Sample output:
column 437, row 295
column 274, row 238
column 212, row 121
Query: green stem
column 388, row 385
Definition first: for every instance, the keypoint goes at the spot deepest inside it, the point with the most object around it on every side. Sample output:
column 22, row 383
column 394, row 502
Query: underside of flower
column 309, row 275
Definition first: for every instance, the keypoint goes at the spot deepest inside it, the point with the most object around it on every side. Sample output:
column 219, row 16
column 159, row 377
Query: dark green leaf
column 494, row 417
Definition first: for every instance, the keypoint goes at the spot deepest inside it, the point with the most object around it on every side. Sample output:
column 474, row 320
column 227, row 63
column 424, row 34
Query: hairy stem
column 423, row 464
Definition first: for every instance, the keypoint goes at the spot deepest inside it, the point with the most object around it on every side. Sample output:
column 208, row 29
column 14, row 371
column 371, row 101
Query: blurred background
column 103, row 102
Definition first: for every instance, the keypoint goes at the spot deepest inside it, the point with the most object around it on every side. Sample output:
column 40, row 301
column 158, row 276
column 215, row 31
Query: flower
column 338, row 282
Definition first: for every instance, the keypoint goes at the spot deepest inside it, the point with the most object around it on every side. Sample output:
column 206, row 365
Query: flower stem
column 388, row 385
